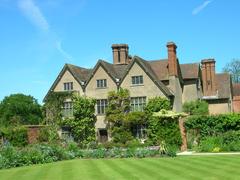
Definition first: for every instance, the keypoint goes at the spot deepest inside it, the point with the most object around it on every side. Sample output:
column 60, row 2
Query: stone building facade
column 147, row 79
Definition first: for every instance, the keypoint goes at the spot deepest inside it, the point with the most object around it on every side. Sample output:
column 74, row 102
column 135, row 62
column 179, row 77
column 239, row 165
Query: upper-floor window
column 101, row 106
column 138, row 103
column 67, row 109
column 68, row 86
column 101, row 83
column 137, row 80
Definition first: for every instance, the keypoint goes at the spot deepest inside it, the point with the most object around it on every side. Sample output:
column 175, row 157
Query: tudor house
column 146, row 79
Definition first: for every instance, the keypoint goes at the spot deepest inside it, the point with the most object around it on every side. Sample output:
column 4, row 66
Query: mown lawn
column 194, row 167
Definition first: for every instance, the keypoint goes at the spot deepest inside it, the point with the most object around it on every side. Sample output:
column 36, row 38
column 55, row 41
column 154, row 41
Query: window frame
column 137, row 80
column 101, row 105
column 101, row 83
column 138, row 103
column 68, row 86
column 67, row 109
column 139, row 131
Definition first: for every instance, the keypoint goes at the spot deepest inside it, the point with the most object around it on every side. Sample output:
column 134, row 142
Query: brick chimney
column 208, row 77
column 172, row 59
column 120, row 54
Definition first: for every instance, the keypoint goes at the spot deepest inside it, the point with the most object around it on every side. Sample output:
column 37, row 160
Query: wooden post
column 183, row 134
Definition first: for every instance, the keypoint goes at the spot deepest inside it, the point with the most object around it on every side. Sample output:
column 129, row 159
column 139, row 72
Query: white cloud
column 62, row 51
column 201, row 7
column 33, row 13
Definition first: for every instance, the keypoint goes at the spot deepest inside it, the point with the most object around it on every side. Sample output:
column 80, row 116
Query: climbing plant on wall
column 82, row 125
column 118, row 108
column 52, row 110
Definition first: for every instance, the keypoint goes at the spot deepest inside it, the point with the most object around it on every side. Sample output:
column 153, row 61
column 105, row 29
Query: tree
column 234, row 69
column 83, row 123
column 20, row 109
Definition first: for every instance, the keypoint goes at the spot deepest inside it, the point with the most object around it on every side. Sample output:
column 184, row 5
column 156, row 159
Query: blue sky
column 37, row 37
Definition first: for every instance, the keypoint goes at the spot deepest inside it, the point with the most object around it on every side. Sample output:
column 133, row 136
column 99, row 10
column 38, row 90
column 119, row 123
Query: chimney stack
column 208, row 77
column 120, row 54
column 172, row 59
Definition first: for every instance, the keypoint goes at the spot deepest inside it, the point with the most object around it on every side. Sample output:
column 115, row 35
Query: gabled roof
column 160, row 67
column 190, row 71
column 148, row 70
column 223, row 85
column 116, row 70
column 236, row 89
column 80, row 74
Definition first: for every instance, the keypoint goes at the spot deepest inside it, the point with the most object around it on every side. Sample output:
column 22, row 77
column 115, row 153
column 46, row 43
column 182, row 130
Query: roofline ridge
column 198, row 63
column 157, row 60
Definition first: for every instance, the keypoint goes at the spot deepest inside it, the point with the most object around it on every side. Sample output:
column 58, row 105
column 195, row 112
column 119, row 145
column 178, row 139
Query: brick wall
column 33, row 133
column 236, row 104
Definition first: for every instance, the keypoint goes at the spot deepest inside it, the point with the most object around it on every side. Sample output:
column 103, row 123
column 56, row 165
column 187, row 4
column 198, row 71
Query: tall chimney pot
column 120, row 54
column 172, row 59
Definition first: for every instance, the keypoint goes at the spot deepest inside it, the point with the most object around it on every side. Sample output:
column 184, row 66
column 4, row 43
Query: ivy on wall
column 82, row 125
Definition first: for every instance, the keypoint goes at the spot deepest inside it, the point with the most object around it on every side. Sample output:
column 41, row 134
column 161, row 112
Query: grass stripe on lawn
column 188, row 167
column 169, row 168
column 141, row 170
column 118, row 168
column 212, row 167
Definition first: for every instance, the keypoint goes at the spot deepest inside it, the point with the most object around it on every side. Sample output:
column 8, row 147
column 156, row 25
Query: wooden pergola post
column 183, row 133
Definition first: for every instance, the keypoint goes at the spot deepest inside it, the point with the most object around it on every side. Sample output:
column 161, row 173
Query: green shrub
column 214, row 124
column 197, row 107
column 17, row 136
column 172, row 150
column 135, row 143
column 121, row 135
column 208, row 144
column 225, row 125
column 44, row 134
column 156, row 104
column 11, row 156
column 164, row 129
column 231, row 141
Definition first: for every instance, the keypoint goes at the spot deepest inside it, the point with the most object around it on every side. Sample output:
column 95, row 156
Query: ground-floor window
column 66, row 133
column 102, row 135
column 67, row 109
column 138, row 103
column 139, row 131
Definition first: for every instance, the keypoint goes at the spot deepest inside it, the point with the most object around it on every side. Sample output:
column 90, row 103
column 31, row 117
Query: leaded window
column 101, row 106
column 138, row 103
column 68, row 86
column 101, row 83
column 67, row 109
column 136, row 80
